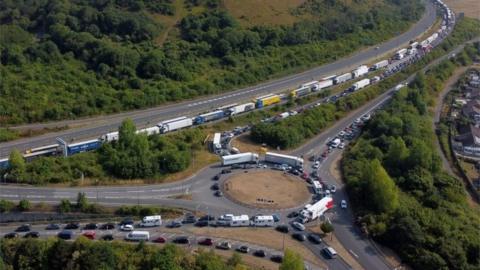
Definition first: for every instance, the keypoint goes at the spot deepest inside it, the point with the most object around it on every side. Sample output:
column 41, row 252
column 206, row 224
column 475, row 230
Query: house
column 472, row 110
column 469, row 136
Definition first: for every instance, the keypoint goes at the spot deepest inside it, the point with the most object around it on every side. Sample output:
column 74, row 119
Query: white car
column 127, row 228
column 316, row 165
column 343, row 204
column 341, row 145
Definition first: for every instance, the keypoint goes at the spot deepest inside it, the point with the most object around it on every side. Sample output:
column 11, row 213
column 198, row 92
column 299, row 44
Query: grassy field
column 471, row 8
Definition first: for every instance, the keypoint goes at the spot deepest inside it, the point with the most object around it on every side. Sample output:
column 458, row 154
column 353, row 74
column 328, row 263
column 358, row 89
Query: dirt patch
column 264, row 237
column 182, row 197
column 267, row 189
column 471, row 8
column 244, row 144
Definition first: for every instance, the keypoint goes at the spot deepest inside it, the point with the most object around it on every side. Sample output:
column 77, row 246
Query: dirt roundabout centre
column 267, row 189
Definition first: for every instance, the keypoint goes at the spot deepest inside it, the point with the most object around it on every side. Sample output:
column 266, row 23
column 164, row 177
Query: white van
column 263, row 221
column 138, row 236
column 151, row 221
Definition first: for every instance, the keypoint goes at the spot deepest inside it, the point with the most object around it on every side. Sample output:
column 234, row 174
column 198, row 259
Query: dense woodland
column 401, row 193
column 295, row 130
column 71, row 58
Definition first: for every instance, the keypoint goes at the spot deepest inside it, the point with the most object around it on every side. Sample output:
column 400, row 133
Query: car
column 343, row 204
column 201, row 223
column 181, row 240
column 126, row 221
column 277, row 258
column 32, row 235
column 316, row 165
column 215, row 186
column 295, row 172
column 282, row 228
column 329, row 252
column 207, row 218
column 23, row 228
column 72, row 226
column 127, row 228
column 218, row 193
column 224, row 245
column 243, row 249
column 89, row 234
column 107, row 237
column 10, row 235
column 276, row 217
column 299, row 236
column 174, row 224
column 206, row 242
column 298, row 226
column 314, row 238
column 216, row 177
column 292, row 214
column 90, row 226
column 65, row 234
column 260, row 253
column 333, row 189
column 159, row 239
column 225, row 171
column 52, row 226
column 341, row 145
column 189, row 219
column 107, row 226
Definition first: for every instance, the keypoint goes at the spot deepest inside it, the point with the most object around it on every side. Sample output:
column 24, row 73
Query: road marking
column 353, row 253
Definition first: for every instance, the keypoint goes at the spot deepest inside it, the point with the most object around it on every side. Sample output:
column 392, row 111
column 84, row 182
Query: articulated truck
column 283, row 159
column 313, row 211
column 239, row 159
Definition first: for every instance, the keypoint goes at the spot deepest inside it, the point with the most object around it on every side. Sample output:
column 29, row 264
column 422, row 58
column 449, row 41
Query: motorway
column 96, row 126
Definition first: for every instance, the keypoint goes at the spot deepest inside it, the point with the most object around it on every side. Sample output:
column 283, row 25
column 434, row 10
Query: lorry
column 360, row 84
column 151, row 221
column 263, row 221
column 380, row 64
column 248, row 157
column 323, row 84
column 267, row 100
column 302, row 91
column 411, row 51
column 313, row 211
column 206, row 117
column 360, row 71
column 84, row 146
column 283, row 159
column 109, row 137
column 149, row 131
column 242, row 108
column 175, row 124
column 400, row 54
column 312, row 85
column 413, row 45
column 342, row 78
column 216, row 141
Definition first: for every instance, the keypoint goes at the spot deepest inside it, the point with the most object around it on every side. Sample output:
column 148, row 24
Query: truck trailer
column 248, row 157
column 206, row 117
column 175, row 124
column 242, row 108
column 342, row 78
column 313, row 211
column 83, row 147
column 267, row 100
column 283, row 159
column 217, row 145
column 360, row 71
column 380, row 64
column 360, row 84
column 400, row 54
column 302, row 91
column 323, row 84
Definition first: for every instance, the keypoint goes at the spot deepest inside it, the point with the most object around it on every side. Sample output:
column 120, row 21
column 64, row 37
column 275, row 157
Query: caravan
column 263, row 221
column 151, row 221
column 138, row 236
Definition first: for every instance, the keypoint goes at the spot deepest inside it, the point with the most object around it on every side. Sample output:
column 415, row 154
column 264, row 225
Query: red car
column 89, row 234
column 206, row 242
column 305, row 175
column 159, row 240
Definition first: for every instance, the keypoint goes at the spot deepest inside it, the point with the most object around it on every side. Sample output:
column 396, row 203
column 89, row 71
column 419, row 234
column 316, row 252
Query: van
column 138, row 236
column 330, row 252
column 151, row 221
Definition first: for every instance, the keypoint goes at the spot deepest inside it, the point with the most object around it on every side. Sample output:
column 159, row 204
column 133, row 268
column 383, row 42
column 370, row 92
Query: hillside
column 67, row 59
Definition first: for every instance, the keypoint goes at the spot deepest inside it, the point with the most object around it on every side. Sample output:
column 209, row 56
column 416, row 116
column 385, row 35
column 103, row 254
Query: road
column 94, row 127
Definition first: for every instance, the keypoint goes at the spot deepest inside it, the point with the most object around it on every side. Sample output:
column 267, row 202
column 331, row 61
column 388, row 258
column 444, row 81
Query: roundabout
column 266, row 189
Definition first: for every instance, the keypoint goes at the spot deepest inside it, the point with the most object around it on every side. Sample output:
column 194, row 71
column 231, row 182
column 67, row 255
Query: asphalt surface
column 95, row 127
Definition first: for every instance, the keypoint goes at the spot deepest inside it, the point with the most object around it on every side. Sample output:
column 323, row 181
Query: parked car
column 343, row 204
column 243, row 249
column 32, row 235
column 329, row 252
column 65, row 235
column 292, row 214
column 299, row 236
column 52, row 226
column 174, row 224
column 89, row 234
column 218, row 193
column 277, row 258
column 225, row 171
column 127, row 221
column 206, row 242
column 216, row 177
column 333, row 189
column 201, row 223
column 127, row 228
column 224, row 245
column 159, row 239
column 189, row 219
column 215, row 186
column 72, row 226
column 314, row 238
column 90, row 226
column 181, row 240
column 299, row 226
column 207, row 218
column 107, row 226
column 10, row 235
column 260, row 253
column 282, row 228
column 276, row 217
column 107, row 237
column 23, row 228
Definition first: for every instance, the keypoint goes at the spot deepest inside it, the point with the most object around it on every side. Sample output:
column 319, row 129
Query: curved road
column 94, row 127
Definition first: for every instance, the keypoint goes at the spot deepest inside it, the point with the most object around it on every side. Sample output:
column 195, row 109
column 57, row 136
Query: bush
column 6, row 206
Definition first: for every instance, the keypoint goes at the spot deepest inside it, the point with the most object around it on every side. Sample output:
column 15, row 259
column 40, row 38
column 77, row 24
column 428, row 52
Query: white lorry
column 313, row 211
column 242, row 108
column 323, row 84
column 239, row 159
column 400, row 54
column 360, row 71
column 283, row 159
column 217, row 145
column 151, row 221
column 174, row 124
column 360, row 84
column 342, row 78
column 380, row 64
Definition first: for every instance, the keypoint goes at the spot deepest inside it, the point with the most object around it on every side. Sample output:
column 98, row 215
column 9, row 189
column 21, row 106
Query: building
column 471, row 110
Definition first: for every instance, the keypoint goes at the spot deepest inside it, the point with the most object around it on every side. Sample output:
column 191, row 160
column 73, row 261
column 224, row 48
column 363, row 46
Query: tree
column 24, row 205
column 380, row 187
column 65, row 206
column 6, row 206
column 126, row 133
column 292, row 261
column 234, row 260
column 327, row 227
column 82, row 202
column 17, row 166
